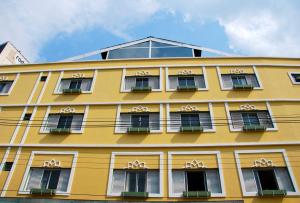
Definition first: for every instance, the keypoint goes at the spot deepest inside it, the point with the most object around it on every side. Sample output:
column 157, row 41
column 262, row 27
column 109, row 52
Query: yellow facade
column 99, row 147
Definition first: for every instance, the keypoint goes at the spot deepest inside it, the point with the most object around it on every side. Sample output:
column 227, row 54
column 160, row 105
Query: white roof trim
column 145, row 40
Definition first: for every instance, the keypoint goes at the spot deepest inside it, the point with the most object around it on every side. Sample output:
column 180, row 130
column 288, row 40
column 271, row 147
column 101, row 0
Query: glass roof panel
column 158, row 44
column 171, row 52
column 143, row 45
column 137, row 52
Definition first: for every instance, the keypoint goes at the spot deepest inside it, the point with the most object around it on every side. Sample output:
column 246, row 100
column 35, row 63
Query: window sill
column 152, row 90
column 72, row 132
column 175, row 90
column 56, row 194
column 241, row 130
column 82, row 92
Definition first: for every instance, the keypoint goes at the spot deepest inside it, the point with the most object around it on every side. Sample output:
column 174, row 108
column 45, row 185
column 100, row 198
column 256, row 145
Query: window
column 240, row 119
column 144, row 120
column 178, row 119
column 176, row 81
column 196, row 180
column 84, row 84
column 7, row 166
column 296, row 77
column 132, row 82
column 267, row 179
column 43, row 78
column 27, row 116
column 229, row 80
column 64, row 121
column 5, row 86
column 41, row 178
column 135, row 181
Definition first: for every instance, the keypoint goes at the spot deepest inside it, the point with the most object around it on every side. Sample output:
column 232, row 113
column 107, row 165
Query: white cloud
column 260, row 28
column 29, row 24
column 256, row 27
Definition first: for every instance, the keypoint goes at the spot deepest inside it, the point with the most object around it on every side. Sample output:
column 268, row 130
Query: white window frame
column 122, row 88
column 81, row 131
column 60, row 78
column 210, row 109
column 161, row 122
column 220, row 170
column 22, row 189
column 111, row 169
column 12, row 85
column 287, row 163
column 254, row 71
column 232, row 129
column 199, row 89
column 292, row 78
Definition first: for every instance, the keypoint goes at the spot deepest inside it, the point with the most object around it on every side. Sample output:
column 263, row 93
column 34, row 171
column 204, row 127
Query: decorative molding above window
column 185, row 72
column 140, row 108
column 263, row 163
column 194, row 164
column 236, row 71
column 142, row 73
column 188, row 108
column 247, row 107
column 78, row 75
column 52, row 164
column 136, row 165
column 3, row 78
column 67, row 110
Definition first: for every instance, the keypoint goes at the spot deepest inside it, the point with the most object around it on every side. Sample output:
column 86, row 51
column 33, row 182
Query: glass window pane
column 45, row 179
column 284, row 180
column 141, row 181
column 250, row 119
column 65, row 121
column 131, row 181
column 142, row 82
column 239, row 80
column 75, row 84
column 140, row 120
column 249, row 180
column 54, row 179
column 188, row 120
column 159, row 44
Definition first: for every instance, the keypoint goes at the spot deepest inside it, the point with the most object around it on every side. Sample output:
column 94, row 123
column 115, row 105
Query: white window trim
column 161, row 122
column 254, row 71
column 210, row 109
column 292, row 78
column 81, row 131
column 204, row 73
column 22, row 189
column 287, row 162
column 56, row 90
column 122, row 89
column 219, row 162
column 275, row 128
column 111, row 168
column 12, row 85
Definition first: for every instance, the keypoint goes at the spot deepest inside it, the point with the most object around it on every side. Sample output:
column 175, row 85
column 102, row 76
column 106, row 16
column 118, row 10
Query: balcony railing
column 40, row 191
column 187, row 88
column 60, row 130
column 191, row 129
column 272, row 193
column 141, row 89
column 135, row 194
column 197, row 194
column 72, row 91
column 254, row 128
column 138, row 130
column 243, row 86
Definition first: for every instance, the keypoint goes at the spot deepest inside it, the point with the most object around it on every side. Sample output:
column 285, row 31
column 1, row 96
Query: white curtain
column 124, row 122
column 284, row 179
column 35, row 177
column 249, row 180
column 129, row 83
column 227, row 81
column 52, row 121
column 178, row 177
column 64, row 84
column 236, row 119
column 118, row 181
column 175, row 121
column 199, row 81
column 77, row 122
column 63, row 181
column 251, row 79
column 154, row 122
column 6, row 87
column 86, row 84
column 153, row 181
column 154, row 82
column 173, row 82
column 205, row 120
column 213, row 181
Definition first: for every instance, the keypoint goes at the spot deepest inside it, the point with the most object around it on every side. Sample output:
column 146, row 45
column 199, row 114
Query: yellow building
column 155, row 120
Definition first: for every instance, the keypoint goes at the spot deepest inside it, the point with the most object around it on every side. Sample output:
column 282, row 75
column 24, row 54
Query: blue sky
column 53, row 30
